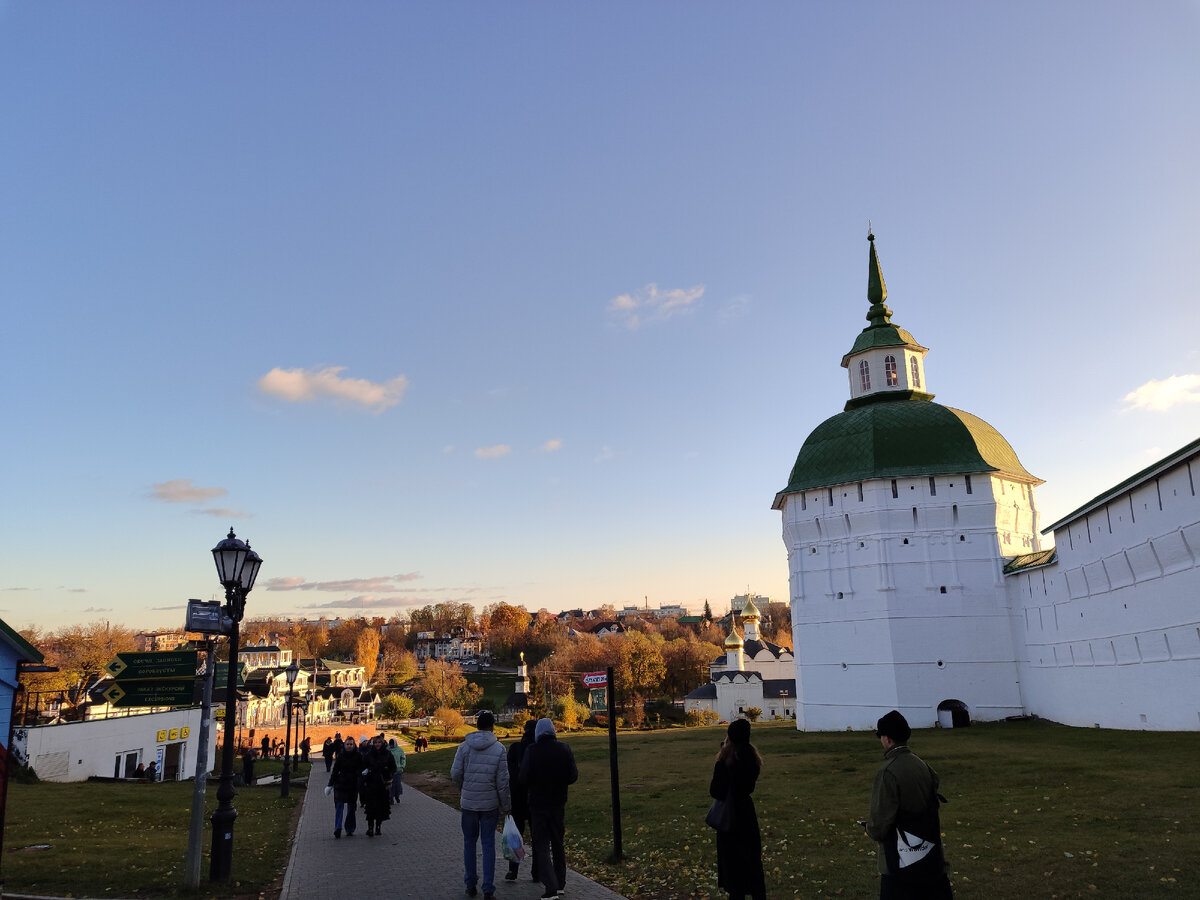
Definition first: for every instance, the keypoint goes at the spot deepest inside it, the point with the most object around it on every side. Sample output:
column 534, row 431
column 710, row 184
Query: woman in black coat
column 739, row 850
column 343, row 782
column 376, row 785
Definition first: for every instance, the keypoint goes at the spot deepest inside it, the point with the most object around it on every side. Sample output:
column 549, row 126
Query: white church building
column 753, row 673
column 918, row 581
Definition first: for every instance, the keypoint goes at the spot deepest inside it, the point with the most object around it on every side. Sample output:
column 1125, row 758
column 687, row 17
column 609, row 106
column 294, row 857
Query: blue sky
column 537, row 302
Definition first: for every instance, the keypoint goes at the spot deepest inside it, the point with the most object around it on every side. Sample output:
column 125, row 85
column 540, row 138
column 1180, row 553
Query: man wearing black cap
column 904, row 819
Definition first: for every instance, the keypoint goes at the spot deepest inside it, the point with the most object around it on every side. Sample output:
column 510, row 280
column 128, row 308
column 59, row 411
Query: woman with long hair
column 739, row 850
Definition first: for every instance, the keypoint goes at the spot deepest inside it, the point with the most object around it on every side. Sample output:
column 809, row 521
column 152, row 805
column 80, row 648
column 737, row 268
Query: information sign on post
column 595, row 679
column 151, row 693
column 164, row 665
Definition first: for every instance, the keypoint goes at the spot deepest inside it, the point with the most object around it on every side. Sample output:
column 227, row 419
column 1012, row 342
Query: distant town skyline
column 537, row 304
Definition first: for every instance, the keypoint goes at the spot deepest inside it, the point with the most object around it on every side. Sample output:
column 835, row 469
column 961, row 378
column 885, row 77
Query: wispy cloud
column 182, row 490
column 736, row 308
column 494, row 452
column 1164, row 395
column 367, row 601
column 223, row 513
column 604, row 455
column 552, row 445
column 651, row 304
column 306, row 385
column 380, row 584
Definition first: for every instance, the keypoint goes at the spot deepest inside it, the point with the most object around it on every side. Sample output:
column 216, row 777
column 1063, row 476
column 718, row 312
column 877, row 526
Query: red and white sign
column 595, row 679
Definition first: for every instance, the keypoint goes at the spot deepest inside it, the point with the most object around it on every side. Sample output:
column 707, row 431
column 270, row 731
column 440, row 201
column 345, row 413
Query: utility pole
column 191, row 868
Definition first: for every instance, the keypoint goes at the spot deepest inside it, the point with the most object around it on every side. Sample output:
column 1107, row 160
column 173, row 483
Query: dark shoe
column 349, row 834
column 337, row 832
column 370, row 831
column 511, row 875
column 378, row 828
column 487, row 895
column 471, row 891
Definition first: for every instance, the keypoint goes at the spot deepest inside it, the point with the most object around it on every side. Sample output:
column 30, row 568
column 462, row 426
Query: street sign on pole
column 598, row 699
column 160, row 666
column 223, row 674
column 151, row 693
column 595, row 679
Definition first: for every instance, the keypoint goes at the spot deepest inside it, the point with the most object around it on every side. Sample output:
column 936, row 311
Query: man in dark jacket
column 904, row 819
column 547, row 768
column 520, row 798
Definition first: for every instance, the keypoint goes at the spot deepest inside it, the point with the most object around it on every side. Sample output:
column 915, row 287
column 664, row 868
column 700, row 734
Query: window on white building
column 889, row 371
column 864, row 375
column 916, row 372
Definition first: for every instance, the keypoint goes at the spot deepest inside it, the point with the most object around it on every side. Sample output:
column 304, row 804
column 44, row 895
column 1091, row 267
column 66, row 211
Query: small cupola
column 886, row 362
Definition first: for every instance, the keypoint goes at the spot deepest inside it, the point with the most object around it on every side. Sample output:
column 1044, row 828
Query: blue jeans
column 480, row 826
column 348, row 809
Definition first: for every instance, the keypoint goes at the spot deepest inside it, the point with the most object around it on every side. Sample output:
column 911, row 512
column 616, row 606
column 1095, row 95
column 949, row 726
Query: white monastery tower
column 898, row 518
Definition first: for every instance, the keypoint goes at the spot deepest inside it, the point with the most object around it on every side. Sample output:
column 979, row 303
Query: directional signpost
column 152, row 679
column 597, row 687
column 168, row 664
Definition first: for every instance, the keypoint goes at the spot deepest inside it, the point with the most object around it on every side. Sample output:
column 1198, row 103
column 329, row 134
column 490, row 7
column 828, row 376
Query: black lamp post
column 237, row 567
column 292, row 671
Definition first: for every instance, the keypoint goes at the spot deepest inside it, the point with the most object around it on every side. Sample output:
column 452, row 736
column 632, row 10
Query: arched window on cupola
column 916, row 372
column 889, row 371
column 864, row 374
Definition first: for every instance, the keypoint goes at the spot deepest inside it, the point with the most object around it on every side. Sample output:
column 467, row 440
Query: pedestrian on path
column 397, row 783
column 520, row 795
column 547, row 768
column 327, row 753
column 480, row 772
column 343, row 783
column 376, row 784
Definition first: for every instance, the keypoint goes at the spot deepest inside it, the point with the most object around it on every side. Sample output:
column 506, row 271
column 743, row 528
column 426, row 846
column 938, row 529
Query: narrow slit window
column 968, row 482
column 890, row 376
column 864, row 375
column 916, row 372
column 895, row 489
column 932, row 486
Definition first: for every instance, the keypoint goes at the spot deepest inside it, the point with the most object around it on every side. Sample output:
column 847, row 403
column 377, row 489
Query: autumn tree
column 398, row 665
column 638, row 672
column 343, row 638
column 506, row 626
column 394, row 707
column 366, row 652
column 444, row 684
column 448, row 720
column 686, row 661
column 80, row 652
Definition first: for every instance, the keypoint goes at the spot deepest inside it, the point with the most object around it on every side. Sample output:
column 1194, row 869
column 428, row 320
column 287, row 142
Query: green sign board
column 151, row 693
column 221, row 676
column 160, row 666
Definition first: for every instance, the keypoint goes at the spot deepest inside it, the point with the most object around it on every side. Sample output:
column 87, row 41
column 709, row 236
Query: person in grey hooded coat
column 480, row 772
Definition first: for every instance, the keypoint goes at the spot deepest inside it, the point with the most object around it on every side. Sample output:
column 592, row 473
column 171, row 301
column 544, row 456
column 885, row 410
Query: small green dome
column 900, row 438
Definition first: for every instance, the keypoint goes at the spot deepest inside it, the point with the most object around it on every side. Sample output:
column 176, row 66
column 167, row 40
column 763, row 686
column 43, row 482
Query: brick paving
column 418, row 857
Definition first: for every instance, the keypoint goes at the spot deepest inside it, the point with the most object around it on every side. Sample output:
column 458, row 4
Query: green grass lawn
column 1036, row 810
column 130, row 839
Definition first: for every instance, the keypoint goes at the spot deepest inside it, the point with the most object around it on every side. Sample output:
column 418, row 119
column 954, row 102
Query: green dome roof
column 895, row 438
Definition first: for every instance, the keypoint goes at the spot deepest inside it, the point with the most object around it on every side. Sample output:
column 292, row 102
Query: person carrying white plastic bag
column 514, row 847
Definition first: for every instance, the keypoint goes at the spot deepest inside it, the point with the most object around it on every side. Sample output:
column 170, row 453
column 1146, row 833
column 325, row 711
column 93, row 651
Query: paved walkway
column 419, row 857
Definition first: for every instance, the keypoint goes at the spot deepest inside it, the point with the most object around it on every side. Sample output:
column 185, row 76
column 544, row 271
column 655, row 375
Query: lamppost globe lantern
column 237, row 568
column 292, row 671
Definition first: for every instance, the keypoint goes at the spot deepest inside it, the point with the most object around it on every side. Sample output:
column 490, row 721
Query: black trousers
column 549, row 828
column 891, row 888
